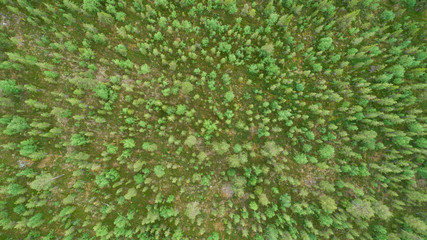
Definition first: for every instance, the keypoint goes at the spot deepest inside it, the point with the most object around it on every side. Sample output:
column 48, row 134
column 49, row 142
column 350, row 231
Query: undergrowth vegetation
column 213, row 119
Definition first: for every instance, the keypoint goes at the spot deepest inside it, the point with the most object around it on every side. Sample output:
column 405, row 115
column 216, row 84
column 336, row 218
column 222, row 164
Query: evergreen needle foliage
column 213, row 119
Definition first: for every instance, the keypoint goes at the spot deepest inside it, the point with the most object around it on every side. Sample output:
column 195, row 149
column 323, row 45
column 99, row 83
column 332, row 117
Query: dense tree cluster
column 213, row 119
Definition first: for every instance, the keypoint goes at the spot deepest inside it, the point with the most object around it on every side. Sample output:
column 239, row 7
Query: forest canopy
column 213, row 119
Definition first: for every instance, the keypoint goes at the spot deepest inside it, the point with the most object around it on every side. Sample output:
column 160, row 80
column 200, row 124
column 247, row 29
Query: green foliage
column 91, row 6
column 263, row 200
column 190, row 141
column 151, row 147
column 159, row 170
column 402, row 140
column 145, row 69
column 361, row 209
column 285, row 201
column 181, row 109
column 187, row 87
column 253, row 206
column 237, row 160
column 409, row 3
column 367, row 137
column 416, row 127
column 101, row 181
column 317, row 67
column 128, row 143
column 78, row 140
column 214, row 236
column 16, row 125
column 139, row 178
column 105, row 18
column 328, row 204
column 112, row 175
column 387, row 15
column 124, row 64
column 28, row 147
column 42, row 182
column 382, row 211
column 130, row 194
column 274, row 119
column 158, row 36
column 271, row 149
column 325, row 44
column 237, row 148
column 221, row 148
column 111, row 149
column 327, row 152
column 102, row 91
column 9, row 87
column 271, row 233
column 210, row 128
column 192, row 210
column 104, row 179
column 416, row 224
column 100, row 230
column 15, row 189
column 35, row 221
column 229, row 96
column 397, row 71
column 421, row 142
column 301, row 158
